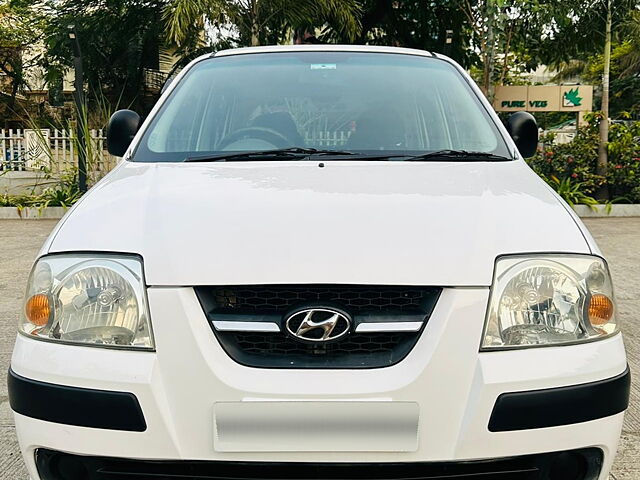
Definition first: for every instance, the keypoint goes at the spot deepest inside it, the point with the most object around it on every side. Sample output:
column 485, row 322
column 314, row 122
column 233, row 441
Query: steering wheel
column 275, row 138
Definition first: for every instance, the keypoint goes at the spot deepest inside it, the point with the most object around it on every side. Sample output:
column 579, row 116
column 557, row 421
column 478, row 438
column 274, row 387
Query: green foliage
column 503, row 32
column 625, row 54
column 571, row 192
column 573, row 164
column 624, row 160
column 18, row 24
column 19, row 201
column 260, row 21
column 414, row 24
column 62, row 194
column 20, row 27
column 574, row 30
column 118, row 39
column 579, row 53
column 625, row 76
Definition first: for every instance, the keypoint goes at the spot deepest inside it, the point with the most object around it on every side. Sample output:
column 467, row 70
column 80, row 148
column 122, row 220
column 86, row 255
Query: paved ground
column 20, row 241
column 619, row 238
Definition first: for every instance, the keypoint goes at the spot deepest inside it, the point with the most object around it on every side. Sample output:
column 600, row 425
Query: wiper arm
column 452, row 155
column 460, row 155
column 279, row 153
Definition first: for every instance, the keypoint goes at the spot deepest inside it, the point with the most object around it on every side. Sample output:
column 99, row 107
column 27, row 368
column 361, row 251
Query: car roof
column 323, row 48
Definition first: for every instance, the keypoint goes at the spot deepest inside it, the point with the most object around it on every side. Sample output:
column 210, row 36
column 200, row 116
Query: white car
column 320, row 262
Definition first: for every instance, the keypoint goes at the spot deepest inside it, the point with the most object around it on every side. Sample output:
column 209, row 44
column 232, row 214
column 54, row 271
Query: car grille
column 275, row 299
column 272, row 303
column 575, row 465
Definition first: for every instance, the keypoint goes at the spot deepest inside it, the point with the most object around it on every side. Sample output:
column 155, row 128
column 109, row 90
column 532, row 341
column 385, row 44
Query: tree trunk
column 485, row 74
column 14, row 94
column 489, row 57
column 505, row 63
column 602, row 167
column 255, row 37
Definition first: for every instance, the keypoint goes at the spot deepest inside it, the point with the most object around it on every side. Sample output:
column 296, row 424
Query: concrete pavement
column 20, row 241
column 619, row 239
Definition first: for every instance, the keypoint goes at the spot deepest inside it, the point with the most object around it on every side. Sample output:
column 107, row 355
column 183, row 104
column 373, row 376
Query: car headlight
column 97, row 300
column 549, row 300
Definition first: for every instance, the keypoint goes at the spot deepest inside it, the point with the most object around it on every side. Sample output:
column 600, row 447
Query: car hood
column 429, row 223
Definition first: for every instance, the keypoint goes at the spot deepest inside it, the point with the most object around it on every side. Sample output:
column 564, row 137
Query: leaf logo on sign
column 570, row 98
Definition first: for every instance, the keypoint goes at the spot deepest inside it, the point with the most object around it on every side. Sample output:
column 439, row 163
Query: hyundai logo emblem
column 318, row 324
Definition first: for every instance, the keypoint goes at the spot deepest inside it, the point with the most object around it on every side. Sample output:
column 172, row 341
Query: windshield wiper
column 450, row 155
column 292, row 153
column 460, row 155
column 296, row 153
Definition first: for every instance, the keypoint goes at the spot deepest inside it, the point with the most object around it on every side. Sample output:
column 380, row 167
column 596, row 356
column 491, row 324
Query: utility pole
column 602, row 167
column 78, row 96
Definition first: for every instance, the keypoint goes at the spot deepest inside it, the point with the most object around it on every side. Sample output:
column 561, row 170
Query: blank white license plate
column 316, row 426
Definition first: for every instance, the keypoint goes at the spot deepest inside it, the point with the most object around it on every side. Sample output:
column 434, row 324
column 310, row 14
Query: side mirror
column 122, row 127
column 523, row 128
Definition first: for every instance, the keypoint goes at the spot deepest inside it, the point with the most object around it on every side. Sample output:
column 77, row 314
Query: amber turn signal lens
column 38, row 309
column 600, row 309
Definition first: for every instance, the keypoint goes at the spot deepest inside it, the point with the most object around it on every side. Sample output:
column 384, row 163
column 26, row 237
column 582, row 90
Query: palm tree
column 631, row 60
column 252, row 17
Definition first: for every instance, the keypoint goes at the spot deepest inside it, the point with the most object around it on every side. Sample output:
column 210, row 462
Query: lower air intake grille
column 362, row 344
column 572, row 465
column 271, row 304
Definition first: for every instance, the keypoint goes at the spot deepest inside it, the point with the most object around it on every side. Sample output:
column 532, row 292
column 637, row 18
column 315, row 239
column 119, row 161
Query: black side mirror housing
column 523, row 128
column 122, row 127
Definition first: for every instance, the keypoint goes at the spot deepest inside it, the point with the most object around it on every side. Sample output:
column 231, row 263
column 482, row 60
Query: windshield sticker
column 323, row 66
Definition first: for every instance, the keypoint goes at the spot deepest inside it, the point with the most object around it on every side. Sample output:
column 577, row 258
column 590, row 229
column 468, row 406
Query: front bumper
column 454, row 387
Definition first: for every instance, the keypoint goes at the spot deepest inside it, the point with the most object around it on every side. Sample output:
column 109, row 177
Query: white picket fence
column 323, row 138
column 52, row 150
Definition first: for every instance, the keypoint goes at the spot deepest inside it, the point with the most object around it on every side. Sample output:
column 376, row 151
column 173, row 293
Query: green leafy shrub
column 59, row 196
column 624, row 161
column 19, row 201
column 63, row 194
column 571, row 192
column 574, row 164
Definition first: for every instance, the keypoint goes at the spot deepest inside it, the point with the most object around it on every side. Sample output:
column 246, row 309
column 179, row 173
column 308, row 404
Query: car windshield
column 367, row 103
